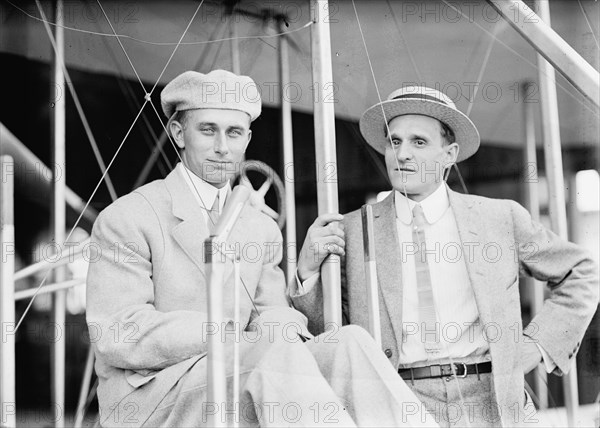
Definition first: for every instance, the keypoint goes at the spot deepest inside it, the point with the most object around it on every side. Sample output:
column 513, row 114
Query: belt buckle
column 456, row 365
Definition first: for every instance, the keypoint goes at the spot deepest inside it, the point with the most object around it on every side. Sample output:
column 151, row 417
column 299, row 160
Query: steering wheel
column 257, row 198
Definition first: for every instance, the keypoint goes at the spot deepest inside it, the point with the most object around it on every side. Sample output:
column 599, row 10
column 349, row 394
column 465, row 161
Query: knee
column 354, row 333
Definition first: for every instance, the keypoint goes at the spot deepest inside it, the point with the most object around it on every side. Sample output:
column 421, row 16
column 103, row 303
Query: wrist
column 304, row 274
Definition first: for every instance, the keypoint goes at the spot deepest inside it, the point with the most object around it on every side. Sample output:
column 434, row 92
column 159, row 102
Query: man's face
column 417, row 157
column 214, row 142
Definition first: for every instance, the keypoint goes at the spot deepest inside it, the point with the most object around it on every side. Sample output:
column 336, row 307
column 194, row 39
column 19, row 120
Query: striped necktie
column 427, row 316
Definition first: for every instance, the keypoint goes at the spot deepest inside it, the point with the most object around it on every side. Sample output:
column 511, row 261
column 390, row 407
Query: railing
column 8, row 297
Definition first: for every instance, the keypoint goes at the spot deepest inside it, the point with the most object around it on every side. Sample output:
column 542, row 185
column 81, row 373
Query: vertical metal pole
column 235, row 46
column 324, row 118
column 88, row 371
column 58, row 219
column 237, row 287
column 8, row 410
column 288, row 159
column 532, row 203
column 371, row 273
column 215, row 406
column 556, row 188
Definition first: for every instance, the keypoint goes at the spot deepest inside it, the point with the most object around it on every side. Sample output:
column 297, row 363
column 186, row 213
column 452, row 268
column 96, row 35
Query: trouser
column 338, row 378
column 459, row 402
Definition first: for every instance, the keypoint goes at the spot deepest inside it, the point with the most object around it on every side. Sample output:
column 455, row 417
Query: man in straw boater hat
column 448, row 267
column 147, row 305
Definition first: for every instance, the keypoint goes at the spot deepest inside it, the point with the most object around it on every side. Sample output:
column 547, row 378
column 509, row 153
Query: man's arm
column 270, row 299
column 125, row 327
column 572, row 277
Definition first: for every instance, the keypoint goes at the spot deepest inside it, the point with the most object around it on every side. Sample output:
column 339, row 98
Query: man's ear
column 452, row 153
column 176, row 130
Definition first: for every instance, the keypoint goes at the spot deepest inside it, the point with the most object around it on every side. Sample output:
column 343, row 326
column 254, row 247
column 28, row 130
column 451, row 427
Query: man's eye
column 207, row 130
column 395, row 141
column 235, row 132
column 420, row 142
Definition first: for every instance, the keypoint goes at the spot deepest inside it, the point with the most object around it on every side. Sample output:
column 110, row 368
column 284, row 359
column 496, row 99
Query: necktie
column 213, row 215
column 427, row 316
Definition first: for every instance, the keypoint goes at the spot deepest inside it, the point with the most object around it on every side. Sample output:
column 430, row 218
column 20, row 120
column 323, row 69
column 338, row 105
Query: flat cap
column 219, row 89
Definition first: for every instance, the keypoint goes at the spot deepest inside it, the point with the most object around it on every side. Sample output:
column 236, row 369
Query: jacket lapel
column 387, row 251
column 473, row 238
column 191, row 233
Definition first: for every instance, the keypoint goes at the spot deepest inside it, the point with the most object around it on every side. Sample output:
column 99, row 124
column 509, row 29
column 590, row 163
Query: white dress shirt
column 459, row 331
column 204, row 192
column 461, row 334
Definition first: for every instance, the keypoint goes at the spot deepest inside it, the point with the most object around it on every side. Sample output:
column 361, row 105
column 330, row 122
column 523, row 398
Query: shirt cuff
column 305, row 287
column 549, row 364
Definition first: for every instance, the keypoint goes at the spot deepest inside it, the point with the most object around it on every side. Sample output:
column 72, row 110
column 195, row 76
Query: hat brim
column 372, row 123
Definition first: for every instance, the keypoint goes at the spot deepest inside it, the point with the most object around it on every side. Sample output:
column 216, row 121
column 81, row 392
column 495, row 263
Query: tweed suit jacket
column 500, row 243
column 147, row 293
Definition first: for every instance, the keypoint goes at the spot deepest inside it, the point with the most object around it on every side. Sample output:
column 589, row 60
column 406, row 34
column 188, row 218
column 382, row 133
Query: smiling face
column 418, row 155
column 214, row 142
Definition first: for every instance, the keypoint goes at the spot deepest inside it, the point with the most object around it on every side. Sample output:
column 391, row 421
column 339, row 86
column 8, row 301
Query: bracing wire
column 82, row 211
column 149, row 99
column 125, row 36
column 587, row 20
column 569, row 93
column 452, row 365
column 146, row 100
column 82, row 117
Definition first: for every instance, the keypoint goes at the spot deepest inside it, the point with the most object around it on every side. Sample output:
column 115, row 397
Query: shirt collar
column 434, row 206
column 204, row 192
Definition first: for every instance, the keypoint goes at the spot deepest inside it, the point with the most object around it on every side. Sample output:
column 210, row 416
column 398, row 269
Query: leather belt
column 443, row 370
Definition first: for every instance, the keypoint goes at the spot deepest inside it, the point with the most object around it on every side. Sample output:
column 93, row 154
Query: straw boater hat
column 424, row 101
column 219, row 89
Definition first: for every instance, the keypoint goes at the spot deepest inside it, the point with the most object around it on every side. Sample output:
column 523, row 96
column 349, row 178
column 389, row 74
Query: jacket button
column 388, row 353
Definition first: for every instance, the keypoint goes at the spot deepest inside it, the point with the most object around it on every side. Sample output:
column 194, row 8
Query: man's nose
column 403, row 152
column 220, row 145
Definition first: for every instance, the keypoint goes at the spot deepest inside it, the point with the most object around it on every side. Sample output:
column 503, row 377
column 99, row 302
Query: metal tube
column 288, row 159
column 7, row 295
column 48, row 288
column 556, row 187
column 551, row 46
column 37, row 185
column 216, row 380
column 237, row 288
column 324, row 123
column 371, row 273
column 85, row 387
column 58, row 219
column 532, row 203
column 45, row 264
column 235, row 47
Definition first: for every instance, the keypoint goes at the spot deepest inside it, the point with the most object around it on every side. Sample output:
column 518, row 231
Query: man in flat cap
column 448, row 267
column 147, row 305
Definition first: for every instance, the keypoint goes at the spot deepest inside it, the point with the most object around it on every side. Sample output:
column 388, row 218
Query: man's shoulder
column 481, row 201
column 146, row 198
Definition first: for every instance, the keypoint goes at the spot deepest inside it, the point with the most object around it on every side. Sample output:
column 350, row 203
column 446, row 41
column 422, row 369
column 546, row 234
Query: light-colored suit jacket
column 485, row 226
column 146, row 298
